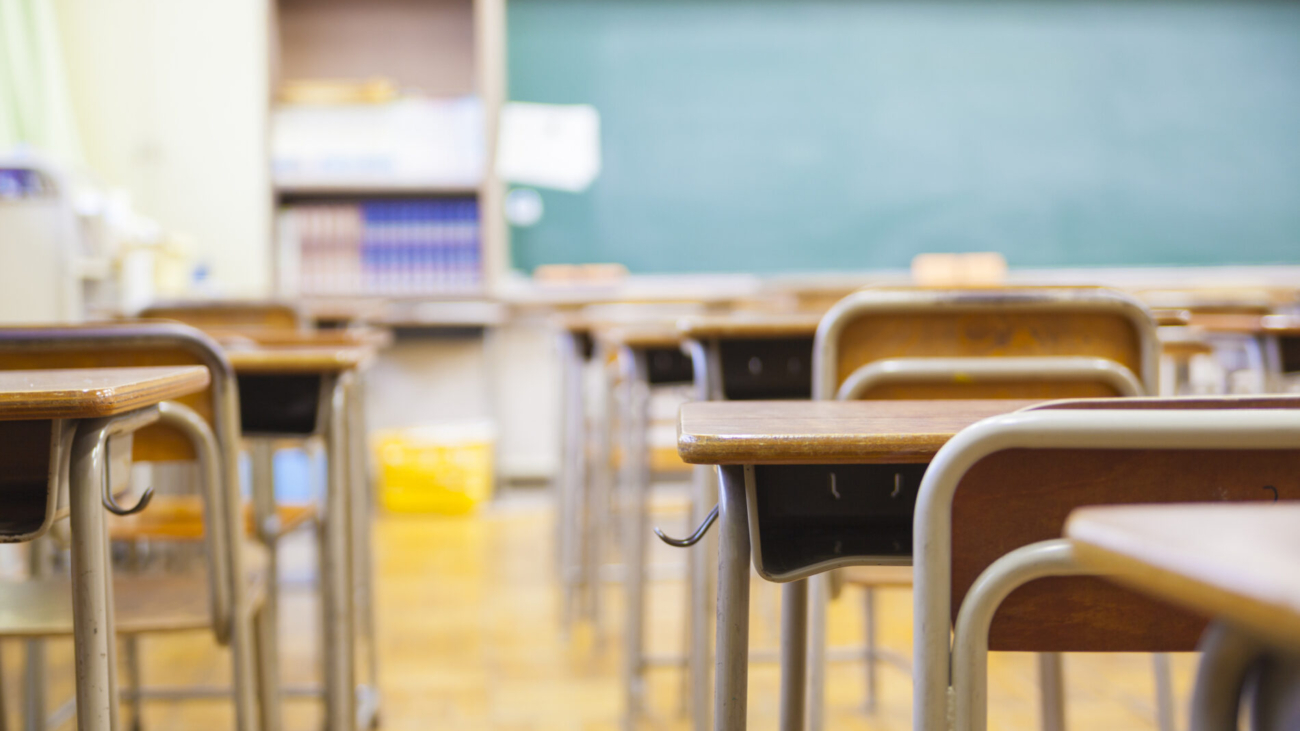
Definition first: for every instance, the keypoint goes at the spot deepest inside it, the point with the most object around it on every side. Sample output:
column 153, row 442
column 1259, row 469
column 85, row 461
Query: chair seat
column 877, row 575
column 180, row 518
column 143, row 602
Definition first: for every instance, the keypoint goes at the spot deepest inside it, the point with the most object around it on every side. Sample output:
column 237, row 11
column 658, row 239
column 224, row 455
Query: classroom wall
column 770, row 135
column 171, row 98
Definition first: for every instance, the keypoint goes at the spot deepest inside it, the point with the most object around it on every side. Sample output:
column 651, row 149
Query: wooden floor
column 470, row 640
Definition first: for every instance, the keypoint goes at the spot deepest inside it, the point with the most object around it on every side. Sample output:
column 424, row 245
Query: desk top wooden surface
column 288, row 359
column 349, row 337
column 1171, row 317
column 1231, row 560
column 84, row 393
column 647, row 335
column 750, row 325
column 1284, row 325
column 826, row 432
column 1184, row 341
column 1246, row 324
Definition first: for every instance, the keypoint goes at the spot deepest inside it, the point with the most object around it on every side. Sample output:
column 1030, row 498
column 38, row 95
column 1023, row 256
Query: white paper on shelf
column 434, row 142
column 549, row 145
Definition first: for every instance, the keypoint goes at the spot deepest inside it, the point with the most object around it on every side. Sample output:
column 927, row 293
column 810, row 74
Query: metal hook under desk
column 109, row 502
column 693, row 538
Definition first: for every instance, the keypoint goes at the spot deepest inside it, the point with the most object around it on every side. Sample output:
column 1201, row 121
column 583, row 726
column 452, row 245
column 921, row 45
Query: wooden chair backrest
column 1016, row 497
column 229, row 315
column 140, row 344
column 876, row 324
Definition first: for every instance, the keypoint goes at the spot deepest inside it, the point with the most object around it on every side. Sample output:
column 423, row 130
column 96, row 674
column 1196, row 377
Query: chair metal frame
column 1045, row 369
column 1084, row 300
column 1065, row 428
column 960, row 370
column 235, row 621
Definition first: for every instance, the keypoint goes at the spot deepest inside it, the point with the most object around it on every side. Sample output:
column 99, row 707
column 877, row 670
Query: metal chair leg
column 1164, row 692
column 970, row 639
column 267, row 620
column 1051, row 688
column 1228, row 657
column 869, row 633
column 636, row 479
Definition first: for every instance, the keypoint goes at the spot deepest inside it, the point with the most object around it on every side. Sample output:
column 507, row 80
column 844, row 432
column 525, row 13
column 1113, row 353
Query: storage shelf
column 369, row 188
column 455, row 310
column 434, row 52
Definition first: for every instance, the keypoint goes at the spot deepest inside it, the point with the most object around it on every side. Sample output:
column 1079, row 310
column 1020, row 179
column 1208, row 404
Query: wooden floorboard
column 470, row 640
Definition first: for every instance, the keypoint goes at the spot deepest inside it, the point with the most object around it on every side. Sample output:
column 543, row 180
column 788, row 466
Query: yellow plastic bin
column 445, row 469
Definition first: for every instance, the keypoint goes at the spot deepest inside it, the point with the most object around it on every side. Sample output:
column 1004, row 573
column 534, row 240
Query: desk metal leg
column 794, row 653
column 570, row 545
column 598, row 497
column 1255, row 360
column 267, row 620
column 1272, row 357
column 731, row 658
column 703, row 557
column 819, row 604
column 362, row 503
column 636, row 470
column 93, row 631
column 38, row 564
column 335, row 571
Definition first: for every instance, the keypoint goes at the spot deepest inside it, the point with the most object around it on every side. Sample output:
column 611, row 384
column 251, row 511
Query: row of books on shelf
column 382, row 247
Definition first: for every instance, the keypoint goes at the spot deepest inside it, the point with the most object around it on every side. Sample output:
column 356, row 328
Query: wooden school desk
column 359, row 337
column 583, row 483
column 1236, row 563
column 1271, row 342
column 299, row 391
column 1179, row 345
column 742, row 356
column 783, row 464
column 288, row 375
column 236, row 618
column 575, row 349
column 67, row 418
column 213, row 314
column 646, row 355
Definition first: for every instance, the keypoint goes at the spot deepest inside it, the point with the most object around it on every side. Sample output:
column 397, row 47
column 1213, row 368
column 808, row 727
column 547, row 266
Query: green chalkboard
column 764, row 135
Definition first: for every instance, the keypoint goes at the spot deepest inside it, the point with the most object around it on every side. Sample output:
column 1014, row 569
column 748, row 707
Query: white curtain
column 35, row 104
